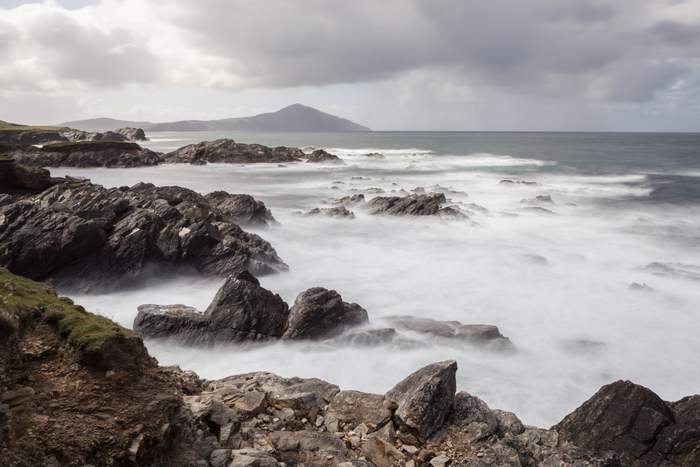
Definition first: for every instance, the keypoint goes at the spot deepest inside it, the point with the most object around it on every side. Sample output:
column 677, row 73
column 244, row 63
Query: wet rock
column 336, row 212
column 517, row 182
column 319, row 313
column 241, row 312
column 81, row 236
column 319, row 155
column 373, row 155
column 484, row 335
column 352, row 408
column 242, row 209
column 228, row 151
column 425, row 398
column 349, row 200
column 365, row 337
column 411, row 205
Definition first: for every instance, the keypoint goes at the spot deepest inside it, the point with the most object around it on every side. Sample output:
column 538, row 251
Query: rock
column 542, row 199
column 425, row 398
column 374, row 155
column 132, row 134
column 349, row 200
column 675, row 270
column 487, row 336
column 80, row 236
column 99, row 153
column 16, row 178
column 411, row 205
column 252, row 458
column 381, row 453
column 442, row 460
column 242, row 209
column 469, row 409
column 338, row 211
column 623, row 418
column 319, row 155
column 508, row 424
column 319, row 313
column 352, row 408
column 517, row 182
column 228, row 151
column 241, row 312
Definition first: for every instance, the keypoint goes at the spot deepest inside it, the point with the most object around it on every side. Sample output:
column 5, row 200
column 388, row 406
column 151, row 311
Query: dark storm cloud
column 622, row 51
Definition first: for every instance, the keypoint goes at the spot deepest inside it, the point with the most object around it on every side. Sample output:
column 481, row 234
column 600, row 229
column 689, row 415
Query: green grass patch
column 87, row 146
column 6, row 126
column 83, row 328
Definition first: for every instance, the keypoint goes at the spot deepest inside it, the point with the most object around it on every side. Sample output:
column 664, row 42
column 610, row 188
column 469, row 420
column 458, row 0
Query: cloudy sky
column 535, row 65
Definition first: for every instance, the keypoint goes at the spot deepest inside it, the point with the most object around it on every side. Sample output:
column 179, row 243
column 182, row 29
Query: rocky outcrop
column 483, row 335
column 413, row 205
column 241, row 312
column 18, row 179
column 243, row 210
column 85, row 237
column 132, row 134
column 423, row 400
column 320, row 314
column 340, row 212
column 634, row 423
column 228, row 151
column 57, row 136
column 88, row 154
column 321, row 156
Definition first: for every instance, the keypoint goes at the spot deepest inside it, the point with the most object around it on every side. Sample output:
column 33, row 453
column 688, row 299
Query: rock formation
column 320, row 155
column 31, row 136
column 414, row 205
column 98, row 153
column 83, row 236
column 243, row 210
column 228, row 151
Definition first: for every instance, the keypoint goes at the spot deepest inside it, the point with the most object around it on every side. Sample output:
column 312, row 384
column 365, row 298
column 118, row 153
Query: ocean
column 624, row 209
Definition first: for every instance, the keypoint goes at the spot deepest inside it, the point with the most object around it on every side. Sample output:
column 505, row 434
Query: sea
column 597, row 280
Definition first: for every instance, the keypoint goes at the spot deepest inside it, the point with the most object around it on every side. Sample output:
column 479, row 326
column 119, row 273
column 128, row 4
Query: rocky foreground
column 76, row 389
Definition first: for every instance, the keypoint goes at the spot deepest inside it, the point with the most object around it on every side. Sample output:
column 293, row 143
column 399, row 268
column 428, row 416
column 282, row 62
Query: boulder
column 80, row 236
column 623, row 418
column 228, row 151
column 321, row 156
column 469, row 409
column 243, row 210
column 241, row 312
column 16, row 178
column 319, row 313
column 352, row 408
column 424, row 398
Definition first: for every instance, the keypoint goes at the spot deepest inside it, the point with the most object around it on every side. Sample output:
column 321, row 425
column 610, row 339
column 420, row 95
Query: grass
column 6, row 126
column 86, row 146
column 83, row 328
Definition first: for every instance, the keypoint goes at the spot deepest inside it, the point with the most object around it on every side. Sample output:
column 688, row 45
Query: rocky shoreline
column 77, row 389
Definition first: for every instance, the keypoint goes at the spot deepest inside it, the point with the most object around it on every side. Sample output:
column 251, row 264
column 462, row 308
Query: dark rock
column 425, row 398
column 81, row 236
column 366, row 337
column 241, row 312
column 99, row 153
column 469, row 409
column 20, row 179
column 242, row 209
column 412, row 205
column 132, row 134
column 484, row 335
column 228, row 151
column 319, row 313
column 338, row 211
column 319, row 155
column 349, row 200
column 374, row 155
column 623, row 418
column 352, row 408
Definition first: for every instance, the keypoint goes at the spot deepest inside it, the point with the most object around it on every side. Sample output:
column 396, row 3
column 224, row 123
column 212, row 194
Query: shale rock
column 319, row 313
column 425, row 398
column 228, row 151
column 81, row 236
column 319, row 155
column 243, row 210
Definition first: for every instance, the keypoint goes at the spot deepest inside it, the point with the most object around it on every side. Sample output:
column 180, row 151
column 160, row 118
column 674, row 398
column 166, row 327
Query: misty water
column 557, row 284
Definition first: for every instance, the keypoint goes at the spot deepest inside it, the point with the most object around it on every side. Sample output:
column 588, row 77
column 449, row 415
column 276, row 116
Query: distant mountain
column 296, row 117
column 104, row 124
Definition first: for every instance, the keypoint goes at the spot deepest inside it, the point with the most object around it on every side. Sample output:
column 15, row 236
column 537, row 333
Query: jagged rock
column 228, row 151
column 338, row 211
column 132, row 134
column 517, row 182
column 381, row 453
column 80, row 236
column 411, row 205
column 241, row 312
column 626, row 419
column 477, row 334
column 319, row 155
column 352, row 408
column 349, row 200
column 20, row 179
column 469, row 409
column 88, row 154
column 319, row 313
column 508, row 423
column 425, row 398
column 374, row 155
column 242, row 209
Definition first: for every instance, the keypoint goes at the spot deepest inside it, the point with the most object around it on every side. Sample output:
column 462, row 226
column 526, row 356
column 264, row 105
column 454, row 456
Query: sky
column 405, row 65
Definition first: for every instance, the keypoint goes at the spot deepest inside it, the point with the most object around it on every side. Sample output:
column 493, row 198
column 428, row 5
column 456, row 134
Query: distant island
column 296, row 117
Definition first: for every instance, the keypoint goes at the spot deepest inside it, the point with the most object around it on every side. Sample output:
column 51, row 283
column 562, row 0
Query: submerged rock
column 414, row 205
column 335, row 212
column 321, row 156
